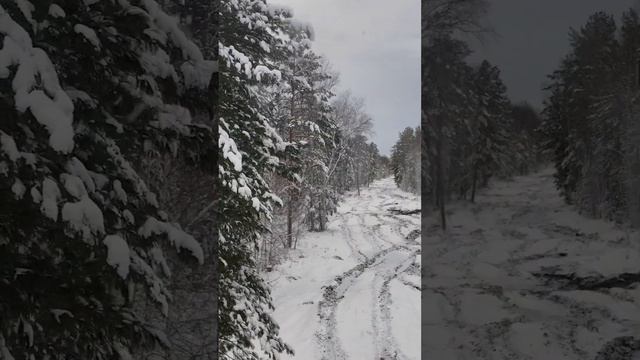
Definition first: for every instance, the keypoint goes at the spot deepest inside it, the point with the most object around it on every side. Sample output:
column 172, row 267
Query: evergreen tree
column 489, row 140
column 405, row 160
column 525, row 123
column 80, row 107
column 583, row 119
column 250, row 147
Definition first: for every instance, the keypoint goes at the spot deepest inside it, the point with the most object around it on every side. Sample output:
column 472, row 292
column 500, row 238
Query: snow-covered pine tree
column 188, row 191
column 489, row 142
column 300, row 103
column 85, row 89
column 447, row 101
column 569, row 127
column 352, row 125
column 249, row 148
column 630, row 139
column 399, row 154
column 406, row 160
column 525, row 121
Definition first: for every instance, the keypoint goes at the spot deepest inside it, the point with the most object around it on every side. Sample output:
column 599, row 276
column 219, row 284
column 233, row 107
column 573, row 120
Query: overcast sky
column 375, row 46
column 532, row 37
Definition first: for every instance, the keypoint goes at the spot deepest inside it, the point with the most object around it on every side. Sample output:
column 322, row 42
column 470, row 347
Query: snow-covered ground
column 520, row 275
column 352, row 292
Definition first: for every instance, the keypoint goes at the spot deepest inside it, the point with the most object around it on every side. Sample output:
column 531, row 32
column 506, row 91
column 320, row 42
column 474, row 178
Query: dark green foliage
column 56, row 279
column 589, row 125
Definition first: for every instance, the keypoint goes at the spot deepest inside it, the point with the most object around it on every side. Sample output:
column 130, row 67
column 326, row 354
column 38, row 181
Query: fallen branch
column 404, row 212
column 572, row 281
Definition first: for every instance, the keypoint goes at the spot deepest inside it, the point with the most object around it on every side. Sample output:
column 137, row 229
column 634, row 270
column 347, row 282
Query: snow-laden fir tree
column 300, row 106
column 86, row 88
column 589, row 118
column 405, row 160
column 469, row 134
column 525, row 122
column 490, row 142
column 249, row 148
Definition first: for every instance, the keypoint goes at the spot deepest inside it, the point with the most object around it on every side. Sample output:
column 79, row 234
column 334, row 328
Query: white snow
column 27, row 9
column 45, row 99
column 56, row 11
column 177, row 237
column 118, row 254
column 255, row 202
column 128, row 216
column 57, row 313
column 532, row 340
column 196, row 70
column 28, row 331
column 76, row 167
column 405, row 321
column 376, row 313
column 479, row 309
column 261, row 70
column 482, row 298
column 18, row 189
column 120, row 193
column 122, row 351
column 50, row 196
column 199, row 74
column 84, row 216
column 89, row 34
column 73, row 185
column 174, row 117
column 158, row 63
column 4, row 351
column 35, row 195
column 229, row 149
column 8, row 145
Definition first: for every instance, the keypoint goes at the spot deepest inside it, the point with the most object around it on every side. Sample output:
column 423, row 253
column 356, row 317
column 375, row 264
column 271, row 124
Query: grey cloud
column 375, row 45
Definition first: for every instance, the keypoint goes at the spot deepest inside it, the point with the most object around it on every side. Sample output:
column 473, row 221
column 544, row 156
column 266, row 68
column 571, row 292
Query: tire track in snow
column 333, row 294
column 390, row 348
column 547, row 322
column 349, row 321
column 351, row 241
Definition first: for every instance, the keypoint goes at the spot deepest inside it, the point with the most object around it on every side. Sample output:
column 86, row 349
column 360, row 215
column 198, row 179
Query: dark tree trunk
column 440, row 185
column 473, row 185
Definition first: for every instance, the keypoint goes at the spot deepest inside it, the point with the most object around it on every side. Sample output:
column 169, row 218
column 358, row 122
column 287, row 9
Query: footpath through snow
column 353, row 291
column 520, row 275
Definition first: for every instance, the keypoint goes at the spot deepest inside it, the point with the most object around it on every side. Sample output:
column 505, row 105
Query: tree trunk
column 440, row 185
column 290, row 224
column 473, row 185
column 290, row 139
column 358, row 179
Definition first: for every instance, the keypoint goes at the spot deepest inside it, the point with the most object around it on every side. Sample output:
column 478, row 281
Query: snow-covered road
column 352, row 292
column 520, row 275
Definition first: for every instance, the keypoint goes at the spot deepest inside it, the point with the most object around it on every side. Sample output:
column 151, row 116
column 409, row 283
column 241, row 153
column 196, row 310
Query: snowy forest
column 157, row 158
column 596, row 157
column 472, row 131
column 530, row 221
